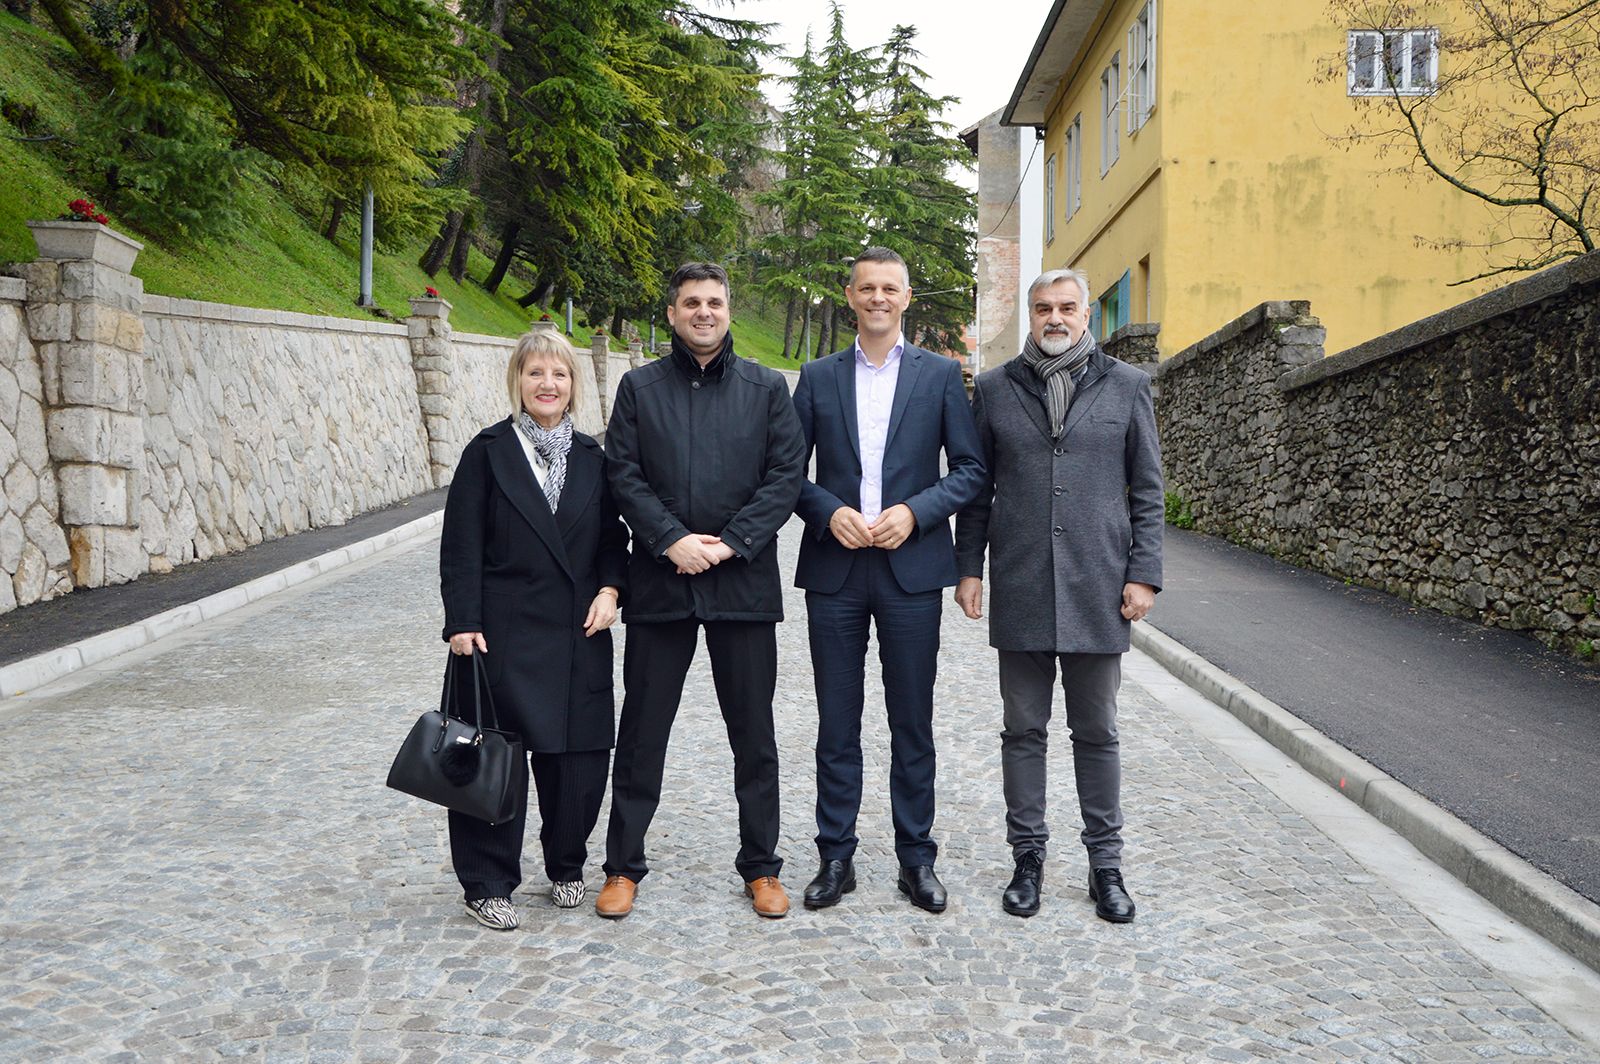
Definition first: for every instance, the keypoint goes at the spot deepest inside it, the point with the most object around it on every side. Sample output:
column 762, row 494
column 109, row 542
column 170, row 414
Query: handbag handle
column 448, row 699
column 480, row 687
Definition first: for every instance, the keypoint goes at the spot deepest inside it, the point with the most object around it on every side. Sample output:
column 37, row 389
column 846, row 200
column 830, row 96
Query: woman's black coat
column 525, row 577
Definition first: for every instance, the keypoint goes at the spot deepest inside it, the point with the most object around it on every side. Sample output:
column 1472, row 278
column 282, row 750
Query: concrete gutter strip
column 1562, row 916
column 32, row 673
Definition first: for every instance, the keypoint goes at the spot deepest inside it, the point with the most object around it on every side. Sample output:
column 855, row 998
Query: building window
column 1075, row 165
column 1113, row 307
column 1050, row 199
column 1110, row 103
column 1382, row 62
column 1142, row 67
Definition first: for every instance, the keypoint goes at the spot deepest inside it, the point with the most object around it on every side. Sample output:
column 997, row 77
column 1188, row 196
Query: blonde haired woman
column 532, row 563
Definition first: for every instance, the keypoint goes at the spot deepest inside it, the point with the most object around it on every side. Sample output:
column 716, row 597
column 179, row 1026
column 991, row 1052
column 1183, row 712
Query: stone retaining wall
column 1455, row 463
column 260, row 424
column 138, row 432
column 33, row 547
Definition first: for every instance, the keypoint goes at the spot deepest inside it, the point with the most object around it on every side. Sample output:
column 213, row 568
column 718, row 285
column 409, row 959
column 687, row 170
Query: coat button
column 1057, row 490
column 1058, row 530
column 1060, row 451
column 694, row 384
column 747, row 541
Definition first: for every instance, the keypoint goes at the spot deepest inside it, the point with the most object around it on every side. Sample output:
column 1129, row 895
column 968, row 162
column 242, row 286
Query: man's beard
column 1055, row 343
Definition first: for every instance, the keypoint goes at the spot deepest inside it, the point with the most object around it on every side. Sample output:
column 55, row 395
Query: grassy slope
column 276, row 260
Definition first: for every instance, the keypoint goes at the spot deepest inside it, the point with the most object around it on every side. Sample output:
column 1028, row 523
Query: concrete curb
column 1564, row 917
column 32, row 673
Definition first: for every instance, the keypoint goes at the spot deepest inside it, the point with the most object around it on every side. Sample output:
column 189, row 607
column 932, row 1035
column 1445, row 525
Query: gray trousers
column 1090, row 682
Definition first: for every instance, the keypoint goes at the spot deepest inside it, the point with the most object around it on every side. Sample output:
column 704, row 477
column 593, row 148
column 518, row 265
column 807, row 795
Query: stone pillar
column 433, row 359
column 600, row 353
column 84, row 316
column 635, row 353
column 1136, row 345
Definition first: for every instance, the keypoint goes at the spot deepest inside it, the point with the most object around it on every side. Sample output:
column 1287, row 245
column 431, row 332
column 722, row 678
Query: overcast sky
column 973, row 51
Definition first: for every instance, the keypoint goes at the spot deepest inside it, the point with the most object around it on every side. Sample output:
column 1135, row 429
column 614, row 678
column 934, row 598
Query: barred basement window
column 1382, row 62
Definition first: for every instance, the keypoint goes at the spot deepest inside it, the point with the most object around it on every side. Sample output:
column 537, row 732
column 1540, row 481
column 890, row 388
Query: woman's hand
column 463, row 643
column 602, row 611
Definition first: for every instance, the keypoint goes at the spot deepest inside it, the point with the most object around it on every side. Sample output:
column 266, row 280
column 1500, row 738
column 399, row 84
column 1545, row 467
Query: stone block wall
column 34, row 555
column 1136, row 344
column 138, row 433
column 1455, row 463
column 260, row 424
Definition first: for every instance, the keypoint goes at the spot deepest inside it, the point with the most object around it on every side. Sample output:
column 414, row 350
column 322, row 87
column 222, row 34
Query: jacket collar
column 1025, row 380
column 690, row 367
column 509, row 462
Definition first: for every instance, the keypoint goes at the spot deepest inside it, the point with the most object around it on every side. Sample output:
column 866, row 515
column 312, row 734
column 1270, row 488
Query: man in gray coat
column 1071, row 516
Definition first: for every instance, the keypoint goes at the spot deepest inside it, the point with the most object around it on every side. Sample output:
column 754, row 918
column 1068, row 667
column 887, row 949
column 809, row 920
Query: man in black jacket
column 705, row 459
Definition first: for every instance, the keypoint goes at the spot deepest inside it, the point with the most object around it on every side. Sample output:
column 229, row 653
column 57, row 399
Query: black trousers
column 908, row 651
column 744, row 667
column 488, row 857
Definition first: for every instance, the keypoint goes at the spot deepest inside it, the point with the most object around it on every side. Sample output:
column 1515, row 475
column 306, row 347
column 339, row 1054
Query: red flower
column 102, row 219
column 432, row 292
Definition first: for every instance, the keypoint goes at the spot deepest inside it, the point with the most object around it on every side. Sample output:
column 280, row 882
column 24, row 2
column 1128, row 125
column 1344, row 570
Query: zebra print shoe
column 568, row 895
column 496, row 913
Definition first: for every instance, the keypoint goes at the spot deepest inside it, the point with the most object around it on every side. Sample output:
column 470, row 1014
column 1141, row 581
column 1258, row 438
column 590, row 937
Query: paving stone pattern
column 202, row 862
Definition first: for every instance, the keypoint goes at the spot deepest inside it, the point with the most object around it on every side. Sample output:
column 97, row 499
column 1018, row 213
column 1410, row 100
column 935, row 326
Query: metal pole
column 569, row 315
column 366, row 247
column 652, row 334
column 977, row 330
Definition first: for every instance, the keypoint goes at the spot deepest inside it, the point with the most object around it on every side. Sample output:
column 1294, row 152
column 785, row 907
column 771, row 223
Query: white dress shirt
column 874, row 401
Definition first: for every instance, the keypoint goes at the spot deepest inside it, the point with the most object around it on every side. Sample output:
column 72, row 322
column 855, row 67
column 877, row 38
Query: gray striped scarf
column 552, row 445
column 1056, row 371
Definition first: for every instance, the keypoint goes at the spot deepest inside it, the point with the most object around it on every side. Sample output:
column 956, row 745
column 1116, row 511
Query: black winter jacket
column 713, row 451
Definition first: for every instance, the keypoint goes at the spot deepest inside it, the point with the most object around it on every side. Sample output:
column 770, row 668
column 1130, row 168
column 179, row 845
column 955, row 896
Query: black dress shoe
column 834, row 880
column 1022, row 896
column 1110, row 897
column 918, row 883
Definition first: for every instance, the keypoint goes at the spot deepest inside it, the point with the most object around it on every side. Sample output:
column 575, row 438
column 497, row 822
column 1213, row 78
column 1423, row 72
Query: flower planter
column 85, row 241
column 429, row 307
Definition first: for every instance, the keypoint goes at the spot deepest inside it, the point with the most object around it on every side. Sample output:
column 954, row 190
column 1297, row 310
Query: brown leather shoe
column 616, row 897
column 767, row 897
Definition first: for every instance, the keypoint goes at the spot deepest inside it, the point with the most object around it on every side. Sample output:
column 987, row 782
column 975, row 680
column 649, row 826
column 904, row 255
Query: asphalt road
column 1482, row 722
column 47, row 625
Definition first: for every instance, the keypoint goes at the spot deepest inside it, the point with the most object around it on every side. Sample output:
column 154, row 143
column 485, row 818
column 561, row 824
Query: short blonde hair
column 542, row 343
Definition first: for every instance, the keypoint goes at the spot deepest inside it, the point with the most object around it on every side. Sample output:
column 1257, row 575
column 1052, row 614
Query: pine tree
column 622, row 118
column 822, row 197
column 334, row 96
column 915, row 206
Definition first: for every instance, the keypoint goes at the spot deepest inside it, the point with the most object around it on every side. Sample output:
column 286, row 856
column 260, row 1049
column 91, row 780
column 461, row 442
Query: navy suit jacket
column 930, row 413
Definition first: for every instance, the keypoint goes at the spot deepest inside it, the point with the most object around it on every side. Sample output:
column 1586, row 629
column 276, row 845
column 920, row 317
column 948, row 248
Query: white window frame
column 1142, row 67
column 1074, row 154
column 1110, row 106
column 1374, row 80
column 1050, row 198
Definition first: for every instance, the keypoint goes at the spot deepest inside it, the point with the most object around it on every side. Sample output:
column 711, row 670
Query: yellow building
column 1189, row 168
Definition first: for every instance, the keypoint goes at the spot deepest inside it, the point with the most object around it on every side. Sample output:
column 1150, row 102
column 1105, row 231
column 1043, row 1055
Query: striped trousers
column 488, row 857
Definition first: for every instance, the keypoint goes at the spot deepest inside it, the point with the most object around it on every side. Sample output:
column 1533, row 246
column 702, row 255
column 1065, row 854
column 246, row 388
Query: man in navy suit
column 878, row 550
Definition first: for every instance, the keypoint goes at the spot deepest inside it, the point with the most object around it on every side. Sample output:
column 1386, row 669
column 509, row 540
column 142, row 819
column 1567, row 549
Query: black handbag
column 463, row 766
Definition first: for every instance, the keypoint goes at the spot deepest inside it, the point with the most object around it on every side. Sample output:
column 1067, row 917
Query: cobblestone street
column 201, row 861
